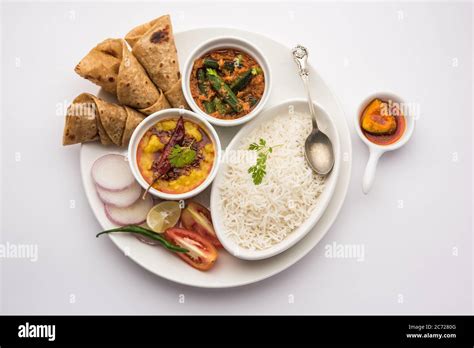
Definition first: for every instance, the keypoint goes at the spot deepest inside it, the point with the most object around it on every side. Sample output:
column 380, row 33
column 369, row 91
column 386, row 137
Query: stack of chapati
column 146, row 79
column 90, row 118
column 113, row 67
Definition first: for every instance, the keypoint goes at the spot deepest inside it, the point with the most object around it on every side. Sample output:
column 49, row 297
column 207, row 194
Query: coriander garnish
column 181, row 156
column 258, row 170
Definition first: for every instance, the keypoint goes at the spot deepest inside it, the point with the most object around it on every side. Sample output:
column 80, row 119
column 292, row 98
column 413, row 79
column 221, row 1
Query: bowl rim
column 146, row 124
column 233, row 42
column 410, row 122
column 254, row 255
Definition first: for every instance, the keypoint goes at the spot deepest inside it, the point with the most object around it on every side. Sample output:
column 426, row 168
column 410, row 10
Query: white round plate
column 230, row 271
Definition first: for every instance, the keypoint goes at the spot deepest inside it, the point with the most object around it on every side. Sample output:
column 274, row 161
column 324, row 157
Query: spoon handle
column 300, row 56
column 310, row 103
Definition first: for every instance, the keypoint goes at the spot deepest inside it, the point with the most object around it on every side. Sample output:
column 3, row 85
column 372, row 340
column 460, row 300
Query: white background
column 418, row 258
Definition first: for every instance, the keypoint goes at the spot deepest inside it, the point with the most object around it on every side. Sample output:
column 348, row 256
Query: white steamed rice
column 259, row 216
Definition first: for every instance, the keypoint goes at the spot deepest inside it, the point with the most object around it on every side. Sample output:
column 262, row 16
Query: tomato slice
column 202, row 254
column 195, row 217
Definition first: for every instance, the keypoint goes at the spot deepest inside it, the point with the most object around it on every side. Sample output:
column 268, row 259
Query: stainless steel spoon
column 318, row 147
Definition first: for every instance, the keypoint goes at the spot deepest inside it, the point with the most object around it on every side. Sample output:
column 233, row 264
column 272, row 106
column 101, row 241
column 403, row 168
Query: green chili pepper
column 147, row 233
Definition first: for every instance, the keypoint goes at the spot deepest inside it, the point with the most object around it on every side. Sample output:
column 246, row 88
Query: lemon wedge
column 163, row 216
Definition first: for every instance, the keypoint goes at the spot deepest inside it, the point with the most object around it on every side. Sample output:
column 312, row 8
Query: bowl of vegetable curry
column 227, row 81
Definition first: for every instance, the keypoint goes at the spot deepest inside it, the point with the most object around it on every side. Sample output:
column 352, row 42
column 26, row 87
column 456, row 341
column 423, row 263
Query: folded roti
column 175, row 96
column 133, row 119
column 112, row 66
column 101, row 65
column 154, row 46
column 136, row 33
column 160, row 104
column 81, row 122
column 90, row 118
column 103, row 137
column 134, row 87
column 112, row 117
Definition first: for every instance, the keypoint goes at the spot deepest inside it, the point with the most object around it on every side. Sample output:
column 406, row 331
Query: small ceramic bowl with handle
column 376, row 150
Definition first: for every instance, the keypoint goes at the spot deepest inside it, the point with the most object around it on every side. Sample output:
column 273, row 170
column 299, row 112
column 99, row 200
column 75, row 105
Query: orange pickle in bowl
column 190, row 160
column 382, row 122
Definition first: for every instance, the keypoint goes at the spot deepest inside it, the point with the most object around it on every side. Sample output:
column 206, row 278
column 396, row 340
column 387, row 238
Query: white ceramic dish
column 230, row 271
column 227, row 42
column 375, row 150
column 327, row 125
column 145, row 125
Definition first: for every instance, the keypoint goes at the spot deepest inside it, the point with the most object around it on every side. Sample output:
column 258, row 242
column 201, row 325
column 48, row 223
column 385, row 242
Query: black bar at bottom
column 209, row 330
